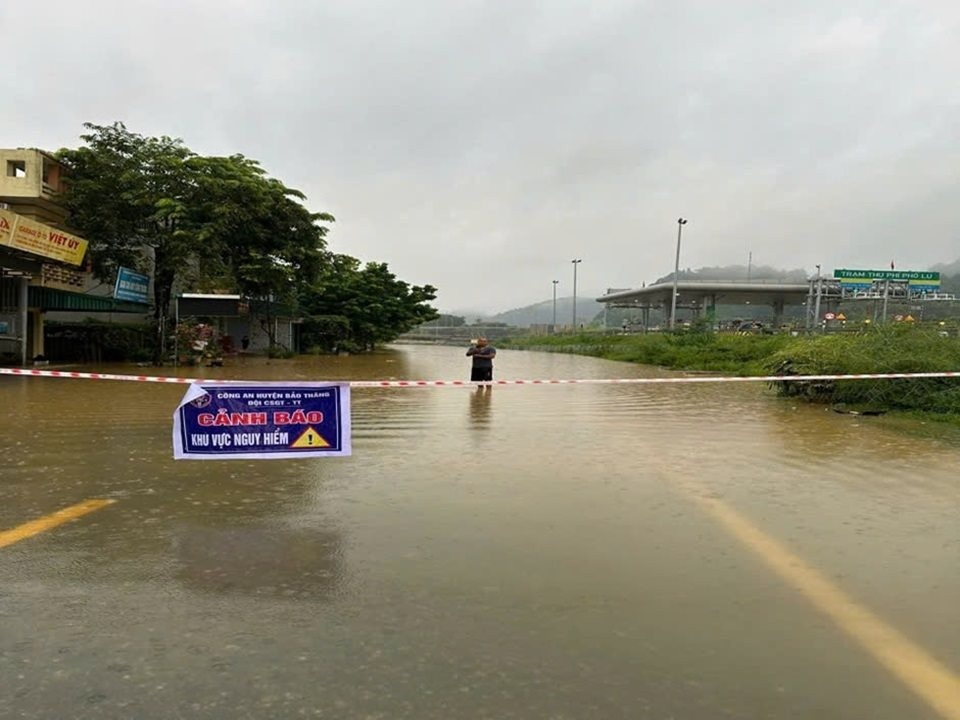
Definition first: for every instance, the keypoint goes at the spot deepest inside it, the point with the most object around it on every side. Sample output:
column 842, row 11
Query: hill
column 542, row 313
column 739, row 272
column 947, row 269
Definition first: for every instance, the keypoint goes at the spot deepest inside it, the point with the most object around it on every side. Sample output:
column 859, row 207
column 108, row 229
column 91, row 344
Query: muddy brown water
column 527, row 552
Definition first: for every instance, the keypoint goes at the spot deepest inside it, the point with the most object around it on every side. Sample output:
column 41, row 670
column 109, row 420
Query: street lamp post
column 575, row 263
column 176, row 332
column 816, row 306
column 886, row 297
column 676, row 274
column 554, row 306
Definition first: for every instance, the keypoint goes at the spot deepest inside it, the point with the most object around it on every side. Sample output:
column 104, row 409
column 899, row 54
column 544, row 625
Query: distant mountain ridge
column 739, row 272
column 542, row 313
column 947, row 268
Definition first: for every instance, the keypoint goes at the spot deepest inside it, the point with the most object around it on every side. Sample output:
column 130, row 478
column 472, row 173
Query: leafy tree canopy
column 375, row 304
column 222, row 224
column 154, row 204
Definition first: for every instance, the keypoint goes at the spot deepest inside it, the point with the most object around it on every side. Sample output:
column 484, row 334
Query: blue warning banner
column 263, row 421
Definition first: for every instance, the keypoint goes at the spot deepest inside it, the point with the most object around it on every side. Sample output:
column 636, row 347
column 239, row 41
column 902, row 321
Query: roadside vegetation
column 890, row 349
column 221, row 224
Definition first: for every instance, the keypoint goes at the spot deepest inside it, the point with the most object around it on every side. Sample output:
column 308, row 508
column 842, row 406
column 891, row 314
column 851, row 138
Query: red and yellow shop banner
column 33, row 237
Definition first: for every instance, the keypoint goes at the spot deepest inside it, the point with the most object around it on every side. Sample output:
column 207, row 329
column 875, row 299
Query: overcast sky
column 480, row 146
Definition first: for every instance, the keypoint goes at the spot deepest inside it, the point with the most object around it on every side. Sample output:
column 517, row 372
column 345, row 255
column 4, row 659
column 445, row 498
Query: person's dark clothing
column 482, row 363
column 481, row 374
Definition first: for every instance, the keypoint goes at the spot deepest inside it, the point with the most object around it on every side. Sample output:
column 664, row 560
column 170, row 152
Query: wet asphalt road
column 529, row 552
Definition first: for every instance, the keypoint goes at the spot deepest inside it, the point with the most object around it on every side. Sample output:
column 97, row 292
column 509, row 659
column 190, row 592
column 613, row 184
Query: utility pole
column 575, row 263
column 676, row 275
column 886, row 296
column 554, row 328
column 176, row 332
column 816, row 308
column 749, row 264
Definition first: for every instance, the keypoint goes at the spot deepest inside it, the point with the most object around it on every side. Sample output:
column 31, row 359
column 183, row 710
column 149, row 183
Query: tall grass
column 743, row 355
column 892, row 349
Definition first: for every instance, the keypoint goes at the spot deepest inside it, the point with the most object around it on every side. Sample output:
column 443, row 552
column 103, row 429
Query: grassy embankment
column 879, row 350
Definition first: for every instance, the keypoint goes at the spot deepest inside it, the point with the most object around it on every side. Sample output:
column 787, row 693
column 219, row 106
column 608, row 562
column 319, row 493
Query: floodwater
column 523, row 552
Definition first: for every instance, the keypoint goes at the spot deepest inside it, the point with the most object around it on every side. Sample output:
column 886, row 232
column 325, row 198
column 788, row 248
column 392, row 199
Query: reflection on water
column 540, row 558
column 481, row 402
column 261, row 561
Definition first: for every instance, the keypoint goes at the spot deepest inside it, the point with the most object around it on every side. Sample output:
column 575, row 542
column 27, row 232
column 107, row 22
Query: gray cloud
column 479, row 146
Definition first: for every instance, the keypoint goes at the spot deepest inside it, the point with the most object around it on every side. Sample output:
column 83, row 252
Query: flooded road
column 605, row 551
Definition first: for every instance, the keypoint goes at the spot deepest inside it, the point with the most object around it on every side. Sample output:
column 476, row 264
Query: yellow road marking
column 911, row 664
column 34, row 527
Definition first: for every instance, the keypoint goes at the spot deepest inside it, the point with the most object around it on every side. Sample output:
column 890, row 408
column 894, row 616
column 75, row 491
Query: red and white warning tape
column 31, row 372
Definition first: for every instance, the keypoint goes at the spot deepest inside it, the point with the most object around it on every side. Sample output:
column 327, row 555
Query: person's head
column 481, row 342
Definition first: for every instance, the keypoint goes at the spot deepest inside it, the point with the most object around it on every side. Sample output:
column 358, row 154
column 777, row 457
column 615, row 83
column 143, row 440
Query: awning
column 217, row 305
column 210, row 305
column 45, row 298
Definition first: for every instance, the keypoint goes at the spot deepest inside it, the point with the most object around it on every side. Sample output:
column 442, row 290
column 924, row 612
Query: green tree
column 219, row 222
column 376, row 305
column 127, row 195
column 270, row 246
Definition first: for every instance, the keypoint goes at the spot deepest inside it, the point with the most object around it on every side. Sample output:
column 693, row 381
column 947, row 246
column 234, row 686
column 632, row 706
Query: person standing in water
column 483, row 355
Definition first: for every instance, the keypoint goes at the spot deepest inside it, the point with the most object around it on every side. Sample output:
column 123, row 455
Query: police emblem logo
column 202, row 401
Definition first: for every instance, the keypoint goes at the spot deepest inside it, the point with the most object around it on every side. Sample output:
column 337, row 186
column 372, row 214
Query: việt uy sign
column 263, row 421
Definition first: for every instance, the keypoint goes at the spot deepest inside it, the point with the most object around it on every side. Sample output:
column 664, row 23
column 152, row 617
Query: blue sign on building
column 263, row 421
column 132, row 286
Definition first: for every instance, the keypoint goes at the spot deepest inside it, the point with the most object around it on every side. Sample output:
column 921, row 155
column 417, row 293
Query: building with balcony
column 41, row 260
column 31, row 182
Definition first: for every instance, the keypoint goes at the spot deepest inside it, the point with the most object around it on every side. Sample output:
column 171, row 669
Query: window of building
column 16, row 168
column 51, row 175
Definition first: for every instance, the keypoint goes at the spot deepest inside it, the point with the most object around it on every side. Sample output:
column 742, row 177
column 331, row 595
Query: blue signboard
column 132, row 286
column 263, row 421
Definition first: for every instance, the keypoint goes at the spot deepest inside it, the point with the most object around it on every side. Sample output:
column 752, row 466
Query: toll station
column 701, row 298
column 820, row 295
